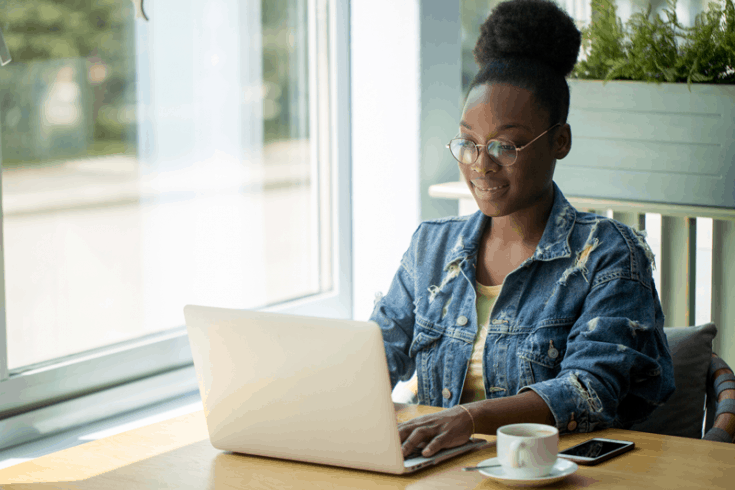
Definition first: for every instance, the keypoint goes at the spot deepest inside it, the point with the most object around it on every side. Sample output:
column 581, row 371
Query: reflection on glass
column 148, row 165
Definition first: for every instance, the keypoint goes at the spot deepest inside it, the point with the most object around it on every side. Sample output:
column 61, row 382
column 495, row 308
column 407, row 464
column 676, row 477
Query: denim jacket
column 579, row 322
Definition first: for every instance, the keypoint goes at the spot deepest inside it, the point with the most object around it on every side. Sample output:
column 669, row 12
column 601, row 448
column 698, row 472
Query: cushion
column 683, row 413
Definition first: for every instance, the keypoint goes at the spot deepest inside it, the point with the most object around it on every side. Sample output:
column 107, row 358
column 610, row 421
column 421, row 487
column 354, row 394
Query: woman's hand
column 448, row 428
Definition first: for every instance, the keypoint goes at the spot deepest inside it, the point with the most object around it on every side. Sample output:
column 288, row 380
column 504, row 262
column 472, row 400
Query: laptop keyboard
column 416, row 453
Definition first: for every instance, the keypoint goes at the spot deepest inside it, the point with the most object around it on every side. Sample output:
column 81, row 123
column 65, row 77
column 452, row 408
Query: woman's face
column 508, row 112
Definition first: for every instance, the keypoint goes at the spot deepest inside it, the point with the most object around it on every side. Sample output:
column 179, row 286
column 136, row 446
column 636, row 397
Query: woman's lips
column 490, row 188
column 483, row 187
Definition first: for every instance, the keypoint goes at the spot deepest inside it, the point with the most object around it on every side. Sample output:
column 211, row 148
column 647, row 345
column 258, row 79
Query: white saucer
column 561, row 469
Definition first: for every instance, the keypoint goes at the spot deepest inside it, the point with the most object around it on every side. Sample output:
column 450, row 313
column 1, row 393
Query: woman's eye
column 501, row 146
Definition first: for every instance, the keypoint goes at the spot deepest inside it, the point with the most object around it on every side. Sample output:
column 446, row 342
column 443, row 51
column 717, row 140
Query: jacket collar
column 554, row 242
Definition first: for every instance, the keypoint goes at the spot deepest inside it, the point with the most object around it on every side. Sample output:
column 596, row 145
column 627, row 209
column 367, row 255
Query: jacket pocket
column 540, row 354
column 426, row 348
column 423, row 337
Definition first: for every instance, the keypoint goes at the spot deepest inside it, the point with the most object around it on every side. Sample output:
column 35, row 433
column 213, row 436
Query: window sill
column 182, row 405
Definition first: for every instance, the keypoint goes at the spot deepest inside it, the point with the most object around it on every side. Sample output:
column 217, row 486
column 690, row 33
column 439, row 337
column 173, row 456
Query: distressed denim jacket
column 579, row 322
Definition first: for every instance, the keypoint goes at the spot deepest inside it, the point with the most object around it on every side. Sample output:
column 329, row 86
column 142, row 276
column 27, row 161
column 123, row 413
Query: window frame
column 56, row 395
column 4, row 373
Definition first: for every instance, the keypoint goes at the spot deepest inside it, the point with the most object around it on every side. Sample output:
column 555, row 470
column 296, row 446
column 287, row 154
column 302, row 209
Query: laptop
column 300, row 388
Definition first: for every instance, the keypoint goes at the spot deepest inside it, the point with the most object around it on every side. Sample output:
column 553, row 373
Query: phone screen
column 593, row 448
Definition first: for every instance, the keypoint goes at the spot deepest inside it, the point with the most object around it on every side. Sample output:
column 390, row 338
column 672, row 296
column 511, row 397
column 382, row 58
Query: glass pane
column 149, row 165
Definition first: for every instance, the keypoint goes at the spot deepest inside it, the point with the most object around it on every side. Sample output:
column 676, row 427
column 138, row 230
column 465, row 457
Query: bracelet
column 471, row 417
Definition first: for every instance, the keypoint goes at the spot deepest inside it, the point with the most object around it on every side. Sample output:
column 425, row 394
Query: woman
column 528, row 310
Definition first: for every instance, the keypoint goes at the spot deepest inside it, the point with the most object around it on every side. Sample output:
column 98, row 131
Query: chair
column 721, row 394
column 703, row 406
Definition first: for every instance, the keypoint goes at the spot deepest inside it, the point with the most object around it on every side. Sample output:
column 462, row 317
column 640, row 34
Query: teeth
column 492, row 188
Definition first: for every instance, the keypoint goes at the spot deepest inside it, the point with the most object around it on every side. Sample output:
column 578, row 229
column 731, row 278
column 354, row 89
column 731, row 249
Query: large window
column 149, row 164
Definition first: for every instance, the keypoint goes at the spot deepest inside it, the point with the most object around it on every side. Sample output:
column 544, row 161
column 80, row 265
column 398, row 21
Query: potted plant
column 668, row 141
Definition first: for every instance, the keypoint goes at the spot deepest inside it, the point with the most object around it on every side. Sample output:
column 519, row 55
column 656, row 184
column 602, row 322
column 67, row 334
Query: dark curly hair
column 531, row 44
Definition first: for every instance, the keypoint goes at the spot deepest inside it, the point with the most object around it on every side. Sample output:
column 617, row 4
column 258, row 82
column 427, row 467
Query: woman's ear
column 563, row 142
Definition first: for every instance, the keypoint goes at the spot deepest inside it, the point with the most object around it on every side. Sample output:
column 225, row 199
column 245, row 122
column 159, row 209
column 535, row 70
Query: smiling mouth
column 489, row 188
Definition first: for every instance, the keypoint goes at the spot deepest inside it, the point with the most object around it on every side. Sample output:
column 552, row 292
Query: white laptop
column 300, row 388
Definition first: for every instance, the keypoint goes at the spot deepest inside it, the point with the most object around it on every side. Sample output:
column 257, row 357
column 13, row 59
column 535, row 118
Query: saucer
column 561, row 469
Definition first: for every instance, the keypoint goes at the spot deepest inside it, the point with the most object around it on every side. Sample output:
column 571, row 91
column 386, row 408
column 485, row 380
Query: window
column 187, row 159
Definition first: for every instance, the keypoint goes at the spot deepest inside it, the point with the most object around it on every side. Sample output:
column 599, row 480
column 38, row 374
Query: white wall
column 385, row 142
column 406, row 81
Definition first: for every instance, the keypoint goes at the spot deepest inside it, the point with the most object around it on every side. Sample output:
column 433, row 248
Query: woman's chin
column 489, row 207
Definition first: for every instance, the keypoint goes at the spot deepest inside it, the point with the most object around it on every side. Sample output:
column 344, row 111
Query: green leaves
column 50, row 29
column 657, row 48
column 602, row 40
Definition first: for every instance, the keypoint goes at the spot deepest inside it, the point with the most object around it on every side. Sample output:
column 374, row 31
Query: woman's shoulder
column 467, row 226
column 450, row 220
column 447, row 238
column 596, row 226
column 613, row 244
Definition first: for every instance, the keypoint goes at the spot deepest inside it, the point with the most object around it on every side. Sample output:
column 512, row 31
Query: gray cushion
column 683, row 413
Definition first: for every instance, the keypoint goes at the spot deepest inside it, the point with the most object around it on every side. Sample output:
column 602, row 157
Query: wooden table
column 177, row 454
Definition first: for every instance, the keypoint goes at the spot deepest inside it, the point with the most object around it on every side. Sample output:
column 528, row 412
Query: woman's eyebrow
column 501, row 128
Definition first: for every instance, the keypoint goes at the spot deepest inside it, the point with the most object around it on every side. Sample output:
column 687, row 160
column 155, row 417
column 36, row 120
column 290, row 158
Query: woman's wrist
column 527, row 407
column 467, row 411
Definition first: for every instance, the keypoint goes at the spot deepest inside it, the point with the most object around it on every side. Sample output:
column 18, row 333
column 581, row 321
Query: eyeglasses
column 503, row 152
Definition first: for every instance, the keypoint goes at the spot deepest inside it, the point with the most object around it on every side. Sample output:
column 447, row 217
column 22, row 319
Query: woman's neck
column 524, row 227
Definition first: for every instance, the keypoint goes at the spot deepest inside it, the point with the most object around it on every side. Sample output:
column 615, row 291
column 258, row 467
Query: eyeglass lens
column 465, row 151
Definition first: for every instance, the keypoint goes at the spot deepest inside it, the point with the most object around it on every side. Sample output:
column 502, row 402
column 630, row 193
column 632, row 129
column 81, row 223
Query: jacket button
column 572, row 425
column 553, row 353
column 462, row 321
column 446, row 393
column 378, row 297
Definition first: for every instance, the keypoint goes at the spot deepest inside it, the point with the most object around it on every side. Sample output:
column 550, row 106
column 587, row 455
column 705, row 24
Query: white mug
column 527, row 451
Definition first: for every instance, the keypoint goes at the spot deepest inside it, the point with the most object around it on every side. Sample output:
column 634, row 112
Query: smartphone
column 596, row 450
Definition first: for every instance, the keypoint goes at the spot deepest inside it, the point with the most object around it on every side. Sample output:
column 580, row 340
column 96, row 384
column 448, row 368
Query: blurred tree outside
column 285, row 70
column 70, row 89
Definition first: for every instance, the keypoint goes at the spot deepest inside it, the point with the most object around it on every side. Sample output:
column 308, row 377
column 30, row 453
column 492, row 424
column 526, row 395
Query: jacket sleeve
column 394, row 313
column 617, row 368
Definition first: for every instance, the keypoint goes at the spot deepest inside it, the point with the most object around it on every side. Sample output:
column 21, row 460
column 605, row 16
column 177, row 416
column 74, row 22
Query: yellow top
column 474, row 384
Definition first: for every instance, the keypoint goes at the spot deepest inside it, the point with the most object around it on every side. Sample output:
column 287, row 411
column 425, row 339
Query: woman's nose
column 484, row 163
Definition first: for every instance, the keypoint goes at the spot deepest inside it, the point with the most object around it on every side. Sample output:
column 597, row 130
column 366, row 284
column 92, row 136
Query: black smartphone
column 596, row 450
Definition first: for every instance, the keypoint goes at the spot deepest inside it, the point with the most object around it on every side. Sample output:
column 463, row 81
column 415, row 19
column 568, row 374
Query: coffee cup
column 527, row 451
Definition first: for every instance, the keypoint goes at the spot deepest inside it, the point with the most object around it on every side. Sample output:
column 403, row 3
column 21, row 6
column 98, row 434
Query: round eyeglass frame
column 477, row 153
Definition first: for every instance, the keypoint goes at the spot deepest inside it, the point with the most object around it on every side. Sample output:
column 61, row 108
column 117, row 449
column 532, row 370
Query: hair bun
column 535, row 29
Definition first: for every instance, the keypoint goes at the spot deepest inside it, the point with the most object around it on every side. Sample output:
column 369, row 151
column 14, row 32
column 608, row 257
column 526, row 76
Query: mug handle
column 514, row 456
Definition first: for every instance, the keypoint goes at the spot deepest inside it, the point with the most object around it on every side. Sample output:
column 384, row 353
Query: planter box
column 647, row 142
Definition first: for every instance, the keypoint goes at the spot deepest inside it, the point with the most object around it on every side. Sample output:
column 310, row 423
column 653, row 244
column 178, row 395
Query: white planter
column 647, row 142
